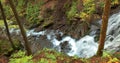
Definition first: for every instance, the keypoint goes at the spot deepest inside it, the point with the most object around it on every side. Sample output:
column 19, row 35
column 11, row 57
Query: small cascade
column 84, row 47
column 68, row 44
column 113, row 33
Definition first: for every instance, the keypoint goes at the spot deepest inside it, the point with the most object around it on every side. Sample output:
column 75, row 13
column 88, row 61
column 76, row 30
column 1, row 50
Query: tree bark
column 6, row 25
column 104, row 27
column 21, row 28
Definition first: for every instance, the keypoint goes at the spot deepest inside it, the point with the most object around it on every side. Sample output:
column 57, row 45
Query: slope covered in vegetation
column 51, row 56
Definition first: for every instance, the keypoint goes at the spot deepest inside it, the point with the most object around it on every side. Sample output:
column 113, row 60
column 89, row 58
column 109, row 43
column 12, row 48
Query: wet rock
column 39, row 42
column 59, row 37
column 114, row 45
column 65, row 47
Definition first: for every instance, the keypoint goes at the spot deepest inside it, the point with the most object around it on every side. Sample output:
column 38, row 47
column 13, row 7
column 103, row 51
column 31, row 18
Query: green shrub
column 110, row 57
column 89, row 6
column 19, row 7
column 32, row 12
column 9, row 24
column 115, row 2
column 72, row 12
column 20, row 57
column 8, row 11
column 88, row 10
column 101, row 4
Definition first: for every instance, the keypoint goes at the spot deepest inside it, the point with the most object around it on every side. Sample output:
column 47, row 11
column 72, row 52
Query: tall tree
column 21, row 28
column 6, row 25
column 104, row 27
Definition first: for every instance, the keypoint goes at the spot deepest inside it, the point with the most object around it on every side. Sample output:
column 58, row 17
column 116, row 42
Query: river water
column 85, row 47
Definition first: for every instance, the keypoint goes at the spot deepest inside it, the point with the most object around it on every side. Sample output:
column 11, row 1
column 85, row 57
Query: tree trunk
column 21, row 28
column 6, row 25
column 104, row 27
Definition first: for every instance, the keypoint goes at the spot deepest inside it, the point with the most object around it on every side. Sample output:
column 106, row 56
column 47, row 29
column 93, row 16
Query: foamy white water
column 86, row 46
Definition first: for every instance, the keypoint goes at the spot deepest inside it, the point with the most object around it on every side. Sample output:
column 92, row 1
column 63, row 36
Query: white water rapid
column 86, row 46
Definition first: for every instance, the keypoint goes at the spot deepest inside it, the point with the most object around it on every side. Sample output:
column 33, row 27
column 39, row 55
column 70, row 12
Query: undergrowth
column 20, row 57
column 52, row 56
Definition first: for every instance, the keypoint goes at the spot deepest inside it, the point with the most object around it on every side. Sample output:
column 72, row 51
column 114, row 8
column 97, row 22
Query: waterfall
column 113, row 33
column 84, row 47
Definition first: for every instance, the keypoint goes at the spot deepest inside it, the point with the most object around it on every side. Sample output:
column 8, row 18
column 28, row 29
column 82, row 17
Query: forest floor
column 49, row 56
column 66, row 59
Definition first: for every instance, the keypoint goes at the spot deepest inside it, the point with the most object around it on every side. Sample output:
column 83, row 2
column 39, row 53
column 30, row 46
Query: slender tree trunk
column 104, row 27
column 6, row 25
column 21, row 28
